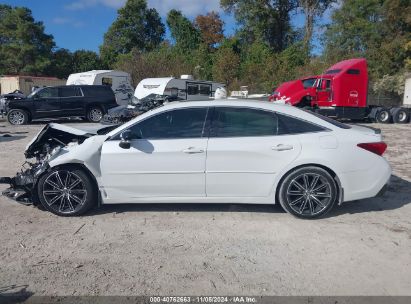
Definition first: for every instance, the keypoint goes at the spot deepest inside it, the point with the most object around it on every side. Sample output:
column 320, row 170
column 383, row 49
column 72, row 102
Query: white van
column 119, row 81
column 185, row 87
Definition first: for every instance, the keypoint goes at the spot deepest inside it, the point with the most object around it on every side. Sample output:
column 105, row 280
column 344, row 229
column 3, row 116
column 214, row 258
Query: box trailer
column 341, row 92
column 26, row 84
column 120, row 82
column 185, row 87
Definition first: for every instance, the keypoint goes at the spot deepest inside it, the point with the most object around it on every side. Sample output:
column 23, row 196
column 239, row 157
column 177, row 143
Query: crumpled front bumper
column 22, row 185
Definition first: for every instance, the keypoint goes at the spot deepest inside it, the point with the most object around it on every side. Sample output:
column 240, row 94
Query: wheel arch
column 334, row 175
column 71, row 165
column 27, row 110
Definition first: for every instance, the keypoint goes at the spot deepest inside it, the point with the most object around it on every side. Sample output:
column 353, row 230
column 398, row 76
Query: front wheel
column 308, row 192
column 67, row 191
column 17, row 117
column 95, row 114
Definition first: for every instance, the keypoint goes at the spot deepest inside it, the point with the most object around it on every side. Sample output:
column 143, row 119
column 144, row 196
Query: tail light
column 376, row 147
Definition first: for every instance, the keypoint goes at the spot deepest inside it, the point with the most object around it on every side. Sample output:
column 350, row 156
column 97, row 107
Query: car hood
column 61, row 134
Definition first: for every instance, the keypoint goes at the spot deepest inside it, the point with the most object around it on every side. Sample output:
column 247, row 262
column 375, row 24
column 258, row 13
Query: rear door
column 245, row 152
column 71, row 100
column 47, row 103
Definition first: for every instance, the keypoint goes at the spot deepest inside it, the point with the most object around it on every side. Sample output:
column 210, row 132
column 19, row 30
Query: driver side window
column 48, row 93
column 175, row 124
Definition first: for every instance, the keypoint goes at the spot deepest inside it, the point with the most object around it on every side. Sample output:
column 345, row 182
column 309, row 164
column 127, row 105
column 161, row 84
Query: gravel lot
column 361, row 248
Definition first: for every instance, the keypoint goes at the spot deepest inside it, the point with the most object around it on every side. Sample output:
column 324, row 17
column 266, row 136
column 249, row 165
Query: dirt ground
column 361, row 248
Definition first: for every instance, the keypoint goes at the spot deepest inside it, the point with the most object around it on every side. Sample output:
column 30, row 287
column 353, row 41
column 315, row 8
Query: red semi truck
column 341, row 92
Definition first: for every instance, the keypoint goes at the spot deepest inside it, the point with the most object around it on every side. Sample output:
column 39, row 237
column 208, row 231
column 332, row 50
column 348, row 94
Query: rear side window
column 292, row 125
column 97, row 91
column 70, row 91
column 175, row 124
column 243, row 122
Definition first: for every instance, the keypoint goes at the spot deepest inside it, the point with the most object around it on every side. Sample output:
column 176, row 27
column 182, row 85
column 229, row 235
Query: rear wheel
column 400, row 115
column 17, row 117
column 308, row 192
column 383, row 116
column 67, row 191
column 95, row 114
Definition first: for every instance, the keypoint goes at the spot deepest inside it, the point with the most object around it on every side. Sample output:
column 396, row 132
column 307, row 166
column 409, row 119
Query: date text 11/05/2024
column 203, row 299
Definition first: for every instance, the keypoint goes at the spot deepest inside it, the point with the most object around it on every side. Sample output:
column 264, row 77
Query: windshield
column 330, row 120
column 33, row 93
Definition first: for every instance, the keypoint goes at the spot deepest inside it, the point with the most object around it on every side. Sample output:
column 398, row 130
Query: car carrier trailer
column 342, row 93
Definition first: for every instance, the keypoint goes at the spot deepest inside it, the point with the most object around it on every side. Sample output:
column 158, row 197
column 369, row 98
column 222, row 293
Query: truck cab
column 341, row 91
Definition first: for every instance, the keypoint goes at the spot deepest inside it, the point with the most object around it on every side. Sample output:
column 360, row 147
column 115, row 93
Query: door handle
column 193, row 150
column 282, row 147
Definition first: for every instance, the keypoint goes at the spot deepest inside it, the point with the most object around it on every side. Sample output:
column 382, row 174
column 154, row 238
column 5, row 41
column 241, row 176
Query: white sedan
column 207, row 152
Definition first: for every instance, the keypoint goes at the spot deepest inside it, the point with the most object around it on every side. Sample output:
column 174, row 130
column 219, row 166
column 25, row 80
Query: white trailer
column 119, row 81
column 407, row 92
column 185, row 87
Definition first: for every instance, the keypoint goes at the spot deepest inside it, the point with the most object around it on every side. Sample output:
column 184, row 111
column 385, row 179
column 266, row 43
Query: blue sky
column 81, row 24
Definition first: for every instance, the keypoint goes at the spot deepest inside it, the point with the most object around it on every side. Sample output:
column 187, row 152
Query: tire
column 17, row 117
column 95, row 114
column 67, row 191
column 308, row 192
column 383, row 116
column 400, row 115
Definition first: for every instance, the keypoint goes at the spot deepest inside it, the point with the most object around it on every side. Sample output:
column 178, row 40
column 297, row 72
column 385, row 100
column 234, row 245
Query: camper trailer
column 184, row 87
column 119, row 81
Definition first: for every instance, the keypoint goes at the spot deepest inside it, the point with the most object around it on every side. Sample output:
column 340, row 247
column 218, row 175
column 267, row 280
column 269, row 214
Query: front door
column 324, row 94
column 47, row 103
column 245, row 152
column 166, row 158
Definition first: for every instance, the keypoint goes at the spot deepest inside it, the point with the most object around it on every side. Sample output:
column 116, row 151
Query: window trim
column 325, row 129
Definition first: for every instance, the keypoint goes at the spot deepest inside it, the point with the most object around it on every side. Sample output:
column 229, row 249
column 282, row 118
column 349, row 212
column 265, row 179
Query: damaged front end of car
column 48, row 143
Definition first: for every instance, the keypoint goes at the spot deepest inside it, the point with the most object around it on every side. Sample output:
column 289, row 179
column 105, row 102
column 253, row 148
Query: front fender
column 88, row 154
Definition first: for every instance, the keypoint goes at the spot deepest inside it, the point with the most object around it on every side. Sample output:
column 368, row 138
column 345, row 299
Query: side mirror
column 126, row 137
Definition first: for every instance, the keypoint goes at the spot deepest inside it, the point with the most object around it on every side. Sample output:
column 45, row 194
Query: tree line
column 265, row 50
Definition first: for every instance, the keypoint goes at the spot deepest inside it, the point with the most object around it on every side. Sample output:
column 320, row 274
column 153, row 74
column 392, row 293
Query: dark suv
column 89, row 101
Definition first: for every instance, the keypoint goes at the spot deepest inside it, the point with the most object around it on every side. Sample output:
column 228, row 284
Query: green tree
column 136, row 27
column 24, row 46
column 313, row 9
column 376, row 29
column 86, row 61
column 61, row 64
column 185, row 35
column 227, row 63
column 267, row 20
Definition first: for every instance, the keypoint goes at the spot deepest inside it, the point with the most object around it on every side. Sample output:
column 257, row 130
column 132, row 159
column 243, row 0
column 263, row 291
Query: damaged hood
column 59, row 134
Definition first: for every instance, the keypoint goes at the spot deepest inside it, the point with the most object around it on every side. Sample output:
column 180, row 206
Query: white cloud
column 190, row 8
column 67, row 21
column 84, row 4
